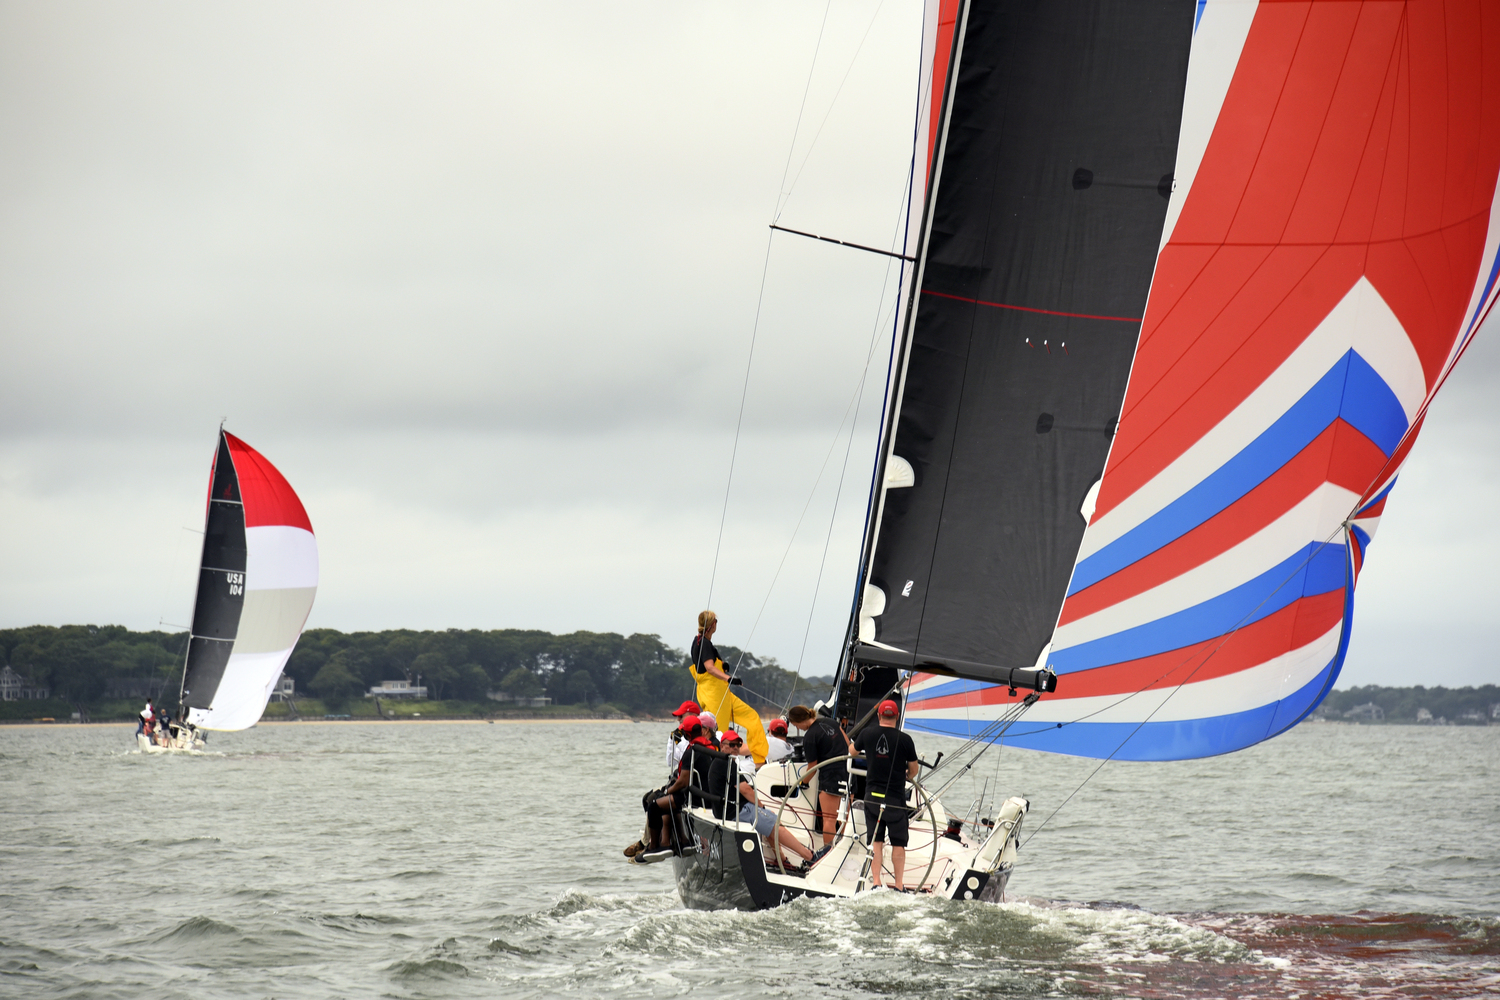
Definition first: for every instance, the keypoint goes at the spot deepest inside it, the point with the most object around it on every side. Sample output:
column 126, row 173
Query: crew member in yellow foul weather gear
column 714, row 694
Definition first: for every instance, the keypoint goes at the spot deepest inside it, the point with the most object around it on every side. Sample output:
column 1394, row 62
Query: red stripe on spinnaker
column 1356, row 139
column 1340, row 455
column 942, row 53
column 1292, row 627
column 269, row 499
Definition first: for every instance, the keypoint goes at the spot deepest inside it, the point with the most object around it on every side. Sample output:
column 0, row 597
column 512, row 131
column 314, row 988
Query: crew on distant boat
column 713, row 688
column 824, row 740
column 890, row 762
column 751, row 811
column 146, row 722
column 777, row 748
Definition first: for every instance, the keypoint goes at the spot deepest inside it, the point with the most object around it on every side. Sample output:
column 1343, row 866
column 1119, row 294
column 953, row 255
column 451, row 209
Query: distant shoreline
column 32, row 724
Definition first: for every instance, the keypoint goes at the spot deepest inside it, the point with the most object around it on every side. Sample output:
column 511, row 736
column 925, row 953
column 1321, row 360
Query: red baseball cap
column 687, row 707
column 689, row 721
column 889, row 709
column 777, row 727
column 732, row 737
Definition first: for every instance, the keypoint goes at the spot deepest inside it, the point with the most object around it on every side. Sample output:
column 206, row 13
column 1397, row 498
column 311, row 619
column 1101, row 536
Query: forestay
column 256, row 584
column 1292, row 205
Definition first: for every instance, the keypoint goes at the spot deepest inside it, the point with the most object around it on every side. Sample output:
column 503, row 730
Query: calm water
column 361, row 860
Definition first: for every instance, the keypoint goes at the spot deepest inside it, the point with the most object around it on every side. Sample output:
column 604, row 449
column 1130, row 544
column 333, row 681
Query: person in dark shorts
column 823, row 739
column 890, row 761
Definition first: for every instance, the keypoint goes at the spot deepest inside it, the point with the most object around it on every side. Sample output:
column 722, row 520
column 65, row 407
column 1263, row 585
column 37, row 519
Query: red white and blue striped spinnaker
column 1331, row 246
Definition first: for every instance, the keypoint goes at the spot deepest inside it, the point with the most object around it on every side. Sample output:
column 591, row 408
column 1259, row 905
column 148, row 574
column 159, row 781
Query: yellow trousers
column 714, row 695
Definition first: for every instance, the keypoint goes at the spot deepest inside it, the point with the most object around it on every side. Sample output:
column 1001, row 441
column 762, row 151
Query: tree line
column 639, row 672
column 1403, row 704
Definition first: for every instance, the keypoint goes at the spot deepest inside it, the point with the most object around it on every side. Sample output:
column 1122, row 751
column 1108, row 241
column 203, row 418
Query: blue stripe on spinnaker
column 1347, row 386
column 1176, row 740
column 1489, row 286
column 1316, row 568
column 1377, row 497
column 1371, row 408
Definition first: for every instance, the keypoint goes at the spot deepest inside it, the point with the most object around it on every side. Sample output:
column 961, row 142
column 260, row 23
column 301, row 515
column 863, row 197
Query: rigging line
column 806, row 88
column 734, row 451
column 1178, row 687
column 805, row 507
column 831, row 105
column 838, row 494
column 759, row 302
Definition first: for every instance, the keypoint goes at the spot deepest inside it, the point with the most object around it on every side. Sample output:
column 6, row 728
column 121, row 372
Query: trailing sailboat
column 256, row 582
column 1186, row 276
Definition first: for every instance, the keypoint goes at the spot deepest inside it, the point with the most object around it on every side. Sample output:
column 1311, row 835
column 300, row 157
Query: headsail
column 1328, row 251
column 256, row 583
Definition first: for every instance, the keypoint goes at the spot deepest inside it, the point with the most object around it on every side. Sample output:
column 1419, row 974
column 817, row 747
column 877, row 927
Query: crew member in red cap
column 777, row 748
column 890, row 761
column 661, row 804
column 676, row 740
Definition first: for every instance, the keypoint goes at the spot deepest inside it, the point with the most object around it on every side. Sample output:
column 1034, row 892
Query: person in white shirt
column 780, row 749
column 676, row 741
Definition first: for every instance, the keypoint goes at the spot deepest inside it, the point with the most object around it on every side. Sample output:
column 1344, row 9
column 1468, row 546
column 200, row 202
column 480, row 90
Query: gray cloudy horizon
column 481, row 280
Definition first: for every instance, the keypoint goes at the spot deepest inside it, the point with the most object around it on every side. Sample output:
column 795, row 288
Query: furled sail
column 1328, row 249
column 256, row 583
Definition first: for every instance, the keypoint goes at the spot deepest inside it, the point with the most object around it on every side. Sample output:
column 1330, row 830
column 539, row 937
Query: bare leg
column 790, row 842
column 875, row 859
column 898, row 863
column 829, row 805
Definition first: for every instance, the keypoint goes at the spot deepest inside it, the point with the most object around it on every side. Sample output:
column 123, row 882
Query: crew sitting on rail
column 670, row 799
column 677, row 741
column 713, row 688
column 750, row 811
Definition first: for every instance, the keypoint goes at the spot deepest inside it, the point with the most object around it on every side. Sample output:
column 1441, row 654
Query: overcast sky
column 481, row 280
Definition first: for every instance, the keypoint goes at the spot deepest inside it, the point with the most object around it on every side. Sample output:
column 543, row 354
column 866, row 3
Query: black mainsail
column 1047, row 192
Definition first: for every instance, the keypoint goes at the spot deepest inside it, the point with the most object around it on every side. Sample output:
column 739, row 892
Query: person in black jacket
column 824, row 740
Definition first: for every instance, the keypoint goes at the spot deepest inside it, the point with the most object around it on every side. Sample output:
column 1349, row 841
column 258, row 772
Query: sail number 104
column 236, row 583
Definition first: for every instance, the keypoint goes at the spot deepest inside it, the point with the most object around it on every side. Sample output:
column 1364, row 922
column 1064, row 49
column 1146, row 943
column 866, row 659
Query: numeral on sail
column 236, row 583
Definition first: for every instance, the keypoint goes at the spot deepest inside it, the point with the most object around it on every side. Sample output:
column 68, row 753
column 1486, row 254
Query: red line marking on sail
column 1028, row 309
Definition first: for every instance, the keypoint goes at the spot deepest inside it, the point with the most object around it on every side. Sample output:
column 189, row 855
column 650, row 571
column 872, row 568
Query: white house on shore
column 14, row 687
column 398, row 689
column 507, row 698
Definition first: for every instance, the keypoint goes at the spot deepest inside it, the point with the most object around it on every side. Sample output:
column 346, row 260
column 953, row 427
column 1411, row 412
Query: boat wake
column 887, row 943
